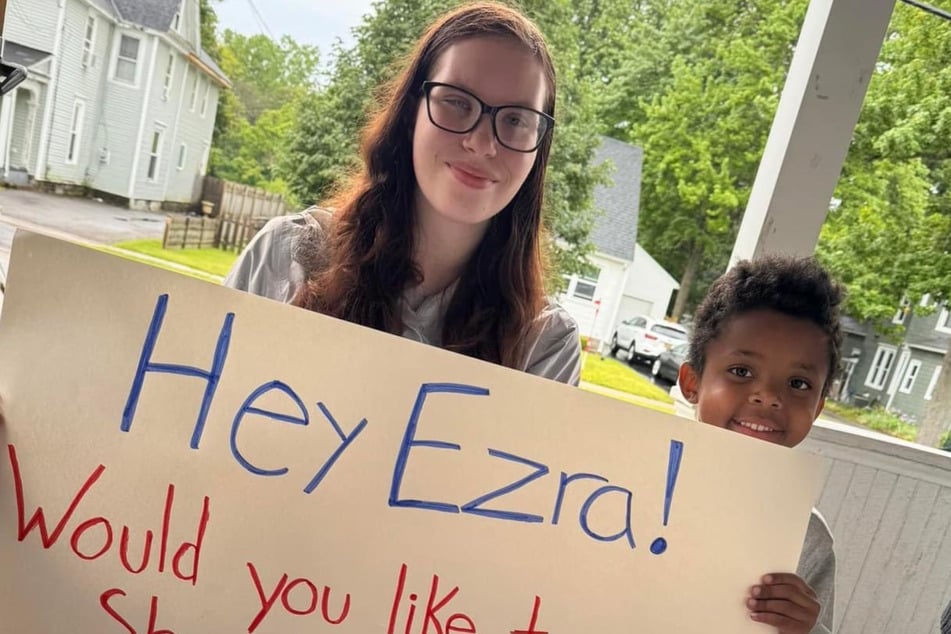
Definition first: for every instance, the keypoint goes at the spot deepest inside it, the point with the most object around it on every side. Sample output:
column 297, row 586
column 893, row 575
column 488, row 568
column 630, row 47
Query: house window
column 127, row 59
column 933, row 383
column 585, row 285
column 911, row 373
column 169, row 77
column 89, row 42
column 177, row 22
column 204, row 99
column 182, row 154
column 944, row 320
column 76, row 131
column 881, row 366
column 902, row 312
column 155, row 155
column 194, row 97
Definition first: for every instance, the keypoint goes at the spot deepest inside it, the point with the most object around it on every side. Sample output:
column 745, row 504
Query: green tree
column 267, row 74
column 271, row 83
column 326, row 138
column 209, row 27
column 890, row 237
column 704, row 130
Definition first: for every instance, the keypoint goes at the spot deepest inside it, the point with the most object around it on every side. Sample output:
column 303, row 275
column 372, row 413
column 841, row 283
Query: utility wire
column 941, row 13
column 260, row 19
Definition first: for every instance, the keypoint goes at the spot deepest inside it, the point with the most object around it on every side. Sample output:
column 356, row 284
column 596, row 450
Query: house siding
column 118, row 124
column 119, row 118
column 595, row 320
column 161, row 115
column 913, row 405
column 648, row 283
column 196, row 132
column 32, row 23
column 74, row 82
column 922, row 343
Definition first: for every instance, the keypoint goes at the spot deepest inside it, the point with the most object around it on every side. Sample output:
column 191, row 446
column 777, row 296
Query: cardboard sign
column 183, row 458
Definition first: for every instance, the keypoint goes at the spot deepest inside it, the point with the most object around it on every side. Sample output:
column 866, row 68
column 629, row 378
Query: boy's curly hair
column 794, row 286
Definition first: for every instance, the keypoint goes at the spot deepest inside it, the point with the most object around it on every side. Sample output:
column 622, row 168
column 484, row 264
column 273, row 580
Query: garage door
column 631, row 306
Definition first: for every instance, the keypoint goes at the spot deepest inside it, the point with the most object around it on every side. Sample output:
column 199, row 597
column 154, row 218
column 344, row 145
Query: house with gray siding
column 120, row 99
column 622, row 279
column 899, row 374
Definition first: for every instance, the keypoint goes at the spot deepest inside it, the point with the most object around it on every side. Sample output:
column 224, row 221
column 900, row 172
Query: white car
column 644, row 338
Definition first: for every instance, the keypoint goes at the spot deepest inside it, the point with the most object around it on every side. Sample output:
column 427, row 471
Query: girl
column 439, row 235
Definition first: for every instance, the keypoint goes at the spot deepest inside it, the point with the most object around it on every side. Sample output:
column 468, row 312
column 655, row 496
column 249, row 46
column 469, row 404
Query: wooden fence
column 237, row 212
column 189, row 232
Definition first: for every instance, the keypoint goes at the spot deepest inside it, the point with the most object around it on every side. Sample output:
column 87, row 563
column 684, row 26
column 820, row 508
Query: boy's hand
column 786, row 602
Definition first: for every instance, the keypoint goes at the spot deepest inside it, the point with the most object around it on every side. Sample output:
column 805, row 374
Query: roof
column 157, row 15
column 207, row 60
column 853, row 326
column 26, row 56
column 152, row 14
column 615, row 230
column 928, row 338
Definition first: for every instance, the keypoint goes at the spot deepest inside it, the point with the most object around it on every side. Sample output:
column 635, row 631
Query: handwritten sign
column 182, row 458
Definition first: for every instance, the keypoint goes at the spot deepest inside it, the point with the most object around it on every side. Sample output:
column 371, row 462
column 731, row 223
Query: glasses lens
column 520, row 128
column 453, row 109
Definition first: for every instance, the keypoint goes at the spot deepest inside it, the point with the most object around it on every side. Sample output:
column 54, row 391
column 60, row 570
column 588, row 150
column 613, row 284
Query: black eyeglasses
column 457, row 110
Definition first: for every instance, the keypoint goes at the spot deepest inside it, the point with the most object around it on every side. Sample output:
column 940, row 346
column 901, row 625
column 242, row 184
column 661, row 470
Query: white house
column 120, row 99
column 623, row 279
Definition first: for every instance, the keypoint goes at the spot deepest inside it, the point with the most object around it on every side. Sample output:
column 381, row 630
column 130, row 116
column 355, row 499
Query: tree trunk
column 686, row 281
column 938, row 413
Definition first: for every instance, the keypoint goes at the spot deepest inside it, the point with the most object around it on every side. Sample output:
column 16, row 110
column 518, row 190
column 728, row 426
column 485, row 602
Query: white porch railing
column 888, row 503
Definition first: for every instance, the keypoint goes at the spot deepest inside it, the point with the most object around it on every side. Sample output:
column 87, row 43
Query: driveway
column 70, row 218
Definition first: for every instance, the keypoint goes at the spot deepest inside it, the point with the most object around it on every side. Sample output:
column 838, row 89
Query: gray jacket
column 817, row 568
column 268, row 267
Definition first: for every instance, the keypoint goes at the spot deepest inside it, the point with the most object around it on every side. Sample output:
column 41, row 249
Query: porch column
column 820, row 104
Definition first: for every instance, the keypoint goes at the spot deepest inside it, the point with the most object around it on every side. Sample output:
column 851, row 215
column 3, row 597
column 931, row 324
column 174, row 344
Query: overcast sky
column 318, row 22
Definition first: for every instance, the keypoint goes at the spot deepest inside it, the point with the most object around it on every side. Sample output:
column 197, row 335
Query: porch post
column 820, row 104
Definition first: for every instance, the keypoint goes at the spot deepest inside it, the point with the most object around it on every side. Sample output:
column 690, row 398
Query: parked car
column 643, row 338
column 667, row 365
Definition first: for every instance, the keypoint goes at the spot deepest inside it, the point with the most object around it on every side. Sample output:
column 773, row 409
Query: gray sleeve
column 266, row 266
column 555, row 352
column 817, row 568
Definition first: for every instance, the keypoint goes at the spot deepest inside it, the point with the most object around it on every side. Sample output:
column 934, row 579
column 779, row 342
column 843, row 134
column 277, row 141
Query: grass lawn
column 875, row 418
column 212, row 261
column 609, row 372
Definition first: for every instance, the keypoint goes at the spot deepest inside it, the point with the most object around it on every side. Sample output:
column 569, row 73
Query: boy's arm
column 817, row 569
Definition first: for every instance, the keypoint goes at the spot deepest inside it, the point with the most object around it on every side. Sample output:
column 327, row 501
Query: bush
column 875, row 418
column 945, row 441
column 880, row 420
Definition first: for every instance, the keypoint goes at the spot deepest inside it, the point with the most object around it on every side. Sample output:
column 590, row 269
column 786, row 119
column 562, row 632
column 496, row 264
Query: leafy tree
column 271, row 81
column 890, row 237
column 704, row 130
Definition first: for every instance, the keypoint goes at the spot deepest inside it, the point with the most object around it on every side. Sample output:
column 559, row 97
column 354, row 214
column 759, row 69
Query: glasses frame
column 492, row 111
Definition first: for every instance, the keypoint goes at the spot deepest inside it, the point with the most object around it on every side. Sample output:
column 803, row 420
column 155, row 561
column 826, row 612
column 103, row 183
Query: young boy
column 763, row 354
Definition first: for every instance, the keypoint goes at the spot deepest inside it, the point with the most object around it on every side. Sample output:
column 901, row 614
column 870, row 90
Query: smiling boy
column 764, row 351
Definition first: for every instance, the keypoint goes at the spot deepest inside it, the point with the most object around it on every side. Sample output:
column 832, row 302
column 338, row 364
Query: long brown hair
column 368, row 262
